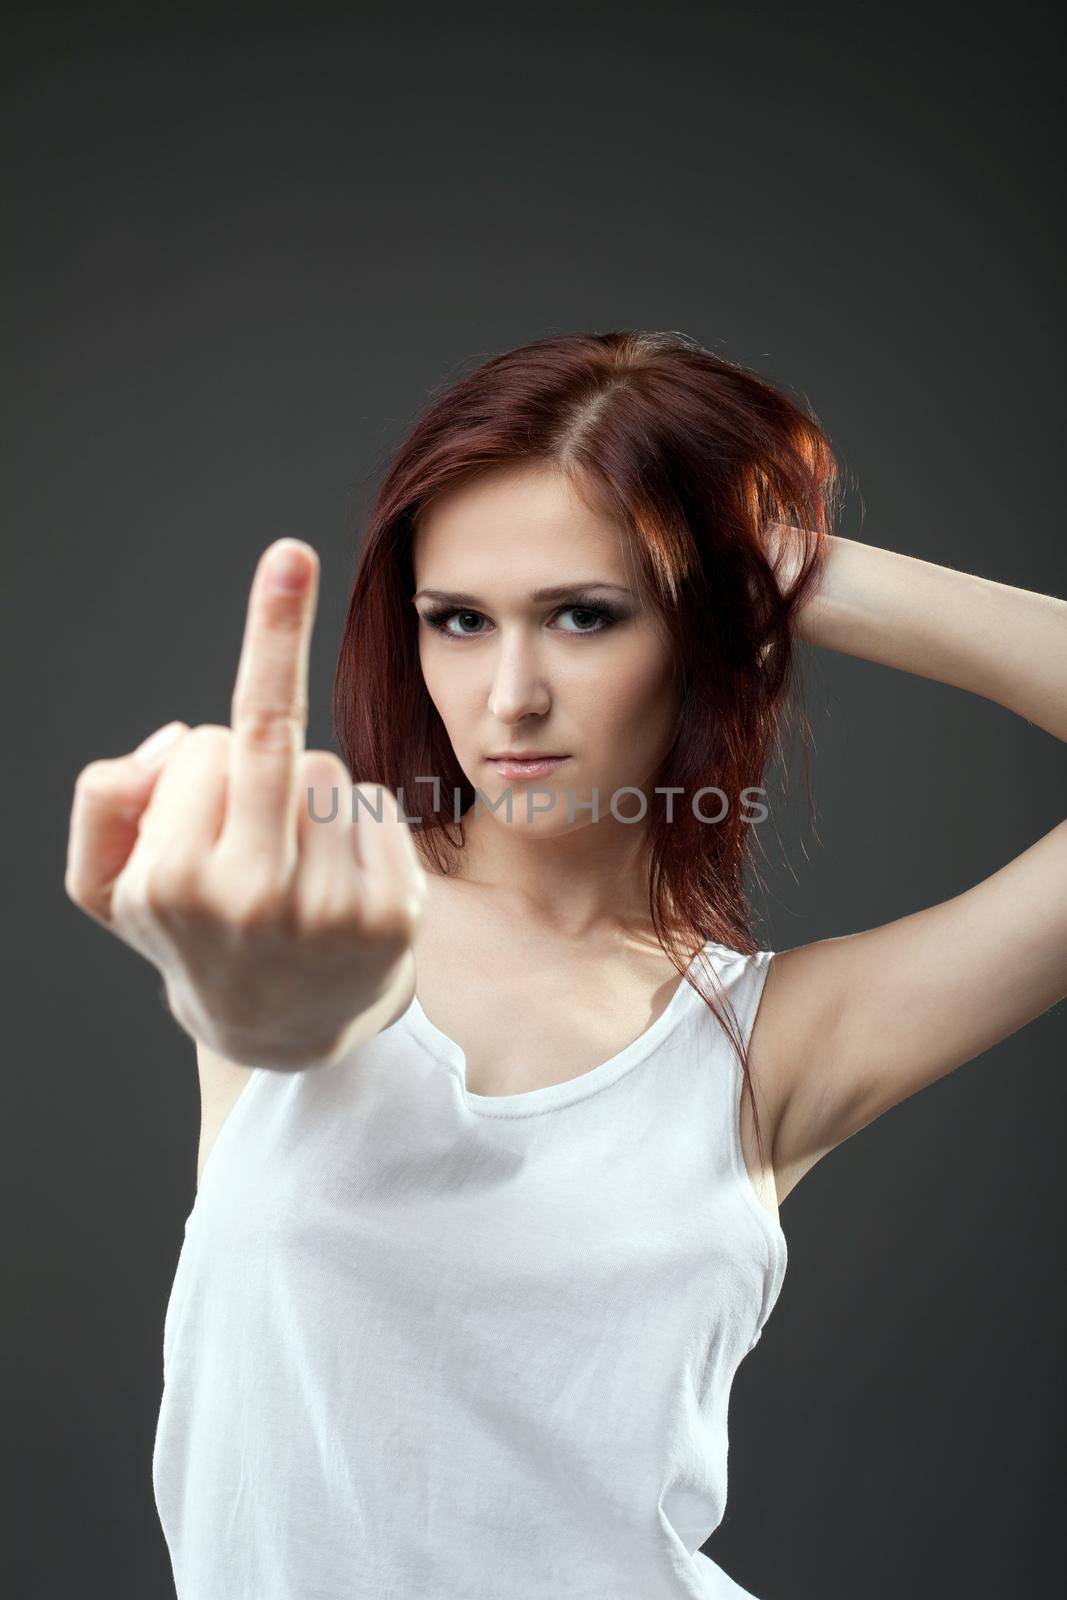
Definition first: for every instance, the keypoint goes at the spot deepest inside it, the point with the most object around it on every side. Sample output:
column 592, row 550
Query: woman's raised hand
column 273, row 931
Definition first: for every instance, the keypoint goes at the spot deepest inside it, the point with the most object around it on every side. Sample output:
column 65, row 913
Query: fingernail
column 287, row 567
column 151, row 751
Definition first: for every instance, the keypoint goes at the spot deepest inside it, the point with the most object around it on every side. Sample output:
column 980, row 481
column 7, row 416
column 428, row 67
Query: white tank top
column 424, row 1344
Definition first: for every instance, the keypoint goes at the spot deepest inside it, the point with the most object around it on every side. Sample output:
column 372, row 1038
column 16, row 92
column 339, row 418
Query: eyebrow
column 559, row 591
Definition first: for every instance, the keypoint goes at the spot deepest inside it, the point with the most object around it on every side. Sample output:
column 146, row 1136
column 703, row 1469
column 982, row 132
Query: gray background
column 244, row 246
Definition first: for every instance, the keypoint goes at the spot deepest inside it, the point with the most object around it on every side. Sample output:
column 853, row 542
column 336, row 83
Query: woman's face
column 583, row 673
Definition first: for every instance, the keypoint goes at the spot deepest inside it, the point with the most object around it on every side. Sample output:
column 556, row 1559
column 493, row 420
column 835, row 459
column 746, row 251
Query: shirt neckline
column 530, row 1102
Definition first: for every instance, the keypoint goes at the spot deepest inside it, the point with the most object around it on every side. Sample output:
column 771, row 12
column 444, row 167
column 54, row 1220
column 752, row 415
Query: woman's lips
column 527, row 769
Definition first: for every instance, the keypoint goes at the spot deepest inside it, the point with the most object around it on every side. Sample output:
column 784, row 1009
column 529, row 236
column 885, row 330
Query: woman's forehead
column 530, row 518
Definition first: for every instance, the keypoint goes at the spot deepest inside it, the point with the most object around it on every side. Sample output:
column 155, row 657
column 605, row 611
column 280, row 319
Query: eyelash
column 438, row 616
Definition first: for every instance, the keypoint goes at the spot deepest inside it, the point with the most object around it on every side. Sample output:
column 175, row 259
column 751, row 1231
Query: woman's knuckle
column 322, row 765
column 322, row 779
column 322, row 914
column 259, row 908
column 172, row 886
column 93, row 777
column 270, row 727
column 208, row 734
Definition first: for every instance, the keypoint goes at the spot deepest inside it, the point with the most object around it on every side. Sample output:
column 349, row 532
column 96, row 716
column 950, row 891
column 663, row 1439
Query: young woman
column 500, row 1095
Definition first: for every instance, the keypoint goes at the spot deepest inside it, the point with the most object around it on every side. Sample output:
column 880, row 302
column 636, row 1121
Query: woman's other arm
column 850, row 1026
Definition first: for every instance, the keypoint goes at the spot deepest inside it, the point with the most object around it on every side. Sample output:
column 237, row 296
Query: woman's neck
column 582, row 882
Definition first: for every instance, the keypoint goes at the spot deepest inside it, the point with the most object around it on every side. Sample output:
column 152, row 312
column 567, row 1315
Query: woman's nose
column 518, row 688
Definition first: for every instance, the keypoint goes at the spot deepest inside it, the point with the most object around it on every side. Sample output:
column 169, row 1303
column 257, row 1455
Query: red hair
column 695, row 457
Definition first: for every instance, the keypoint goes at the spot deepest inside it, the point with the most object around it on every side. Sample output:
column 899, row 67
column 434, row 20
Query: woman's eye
column 441, row 619
column 600, row 618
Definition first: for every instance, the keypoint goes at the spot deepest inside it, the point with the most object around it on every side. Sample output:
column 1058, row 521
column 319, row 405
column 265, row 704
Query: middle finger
column 269, row 709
